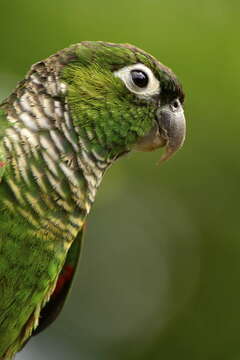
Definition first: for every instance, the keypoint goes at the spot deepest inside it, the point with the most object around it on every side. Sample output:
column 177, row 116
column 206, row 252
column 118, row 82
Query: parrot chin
column 151, row 141
column 168, row 131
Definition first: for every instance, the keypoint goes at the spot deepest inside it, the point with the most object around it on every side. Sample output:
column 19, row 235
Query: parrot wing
column 52, row 309
column 3, row 125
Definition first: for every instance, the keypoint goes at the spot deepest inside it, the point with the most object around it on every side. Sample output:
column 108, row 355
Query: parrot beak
column 168, row 131
column 172, row 128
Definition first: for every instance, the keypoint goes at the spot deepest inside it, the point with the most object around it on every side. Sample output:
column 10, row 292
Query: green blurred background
column 159, row 277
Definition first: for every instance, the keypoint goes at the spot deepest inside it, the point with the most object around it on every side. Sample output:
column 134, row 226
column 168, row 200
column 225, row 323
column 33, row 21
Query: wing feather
column 52, row 309
column 3, row 125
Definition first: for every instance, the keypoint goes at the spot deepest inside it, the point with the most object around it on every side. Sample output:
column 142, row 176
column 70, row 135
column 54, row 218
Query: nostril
column 175, row 104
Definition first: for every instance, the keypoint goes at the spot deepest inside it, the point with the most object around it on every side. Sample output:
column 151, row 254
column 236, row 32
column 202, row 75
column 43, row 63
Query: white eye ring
column 152, row 88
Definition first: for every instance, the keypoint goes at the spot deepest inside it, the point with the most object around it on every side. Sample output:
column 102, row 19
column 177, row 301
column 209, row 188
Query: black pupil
column 139, row 78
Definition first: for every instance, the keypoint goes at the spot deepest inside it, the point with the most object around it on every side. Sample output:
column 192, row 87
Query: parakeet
column 72, row 116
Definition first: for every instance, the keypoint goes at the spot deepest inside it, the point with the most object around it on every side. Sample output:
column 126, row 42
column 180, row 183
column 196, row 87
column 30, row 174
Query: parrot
column 61, row 129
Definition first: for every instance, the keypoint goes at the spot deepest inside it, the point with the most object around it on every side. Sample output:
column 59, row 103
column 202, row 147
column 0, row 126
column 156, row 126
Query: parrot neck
column 53, row 172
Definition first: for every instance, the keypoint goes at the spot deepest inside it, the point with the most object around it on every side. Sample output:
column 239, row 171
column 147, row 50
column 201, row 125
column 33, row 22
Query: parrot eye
column 139, row 79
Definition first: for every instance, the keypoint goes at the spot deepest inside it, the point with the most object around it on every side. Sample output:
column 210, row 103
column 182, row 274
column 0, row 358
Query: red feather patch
column 65, row 277
column 2, row 164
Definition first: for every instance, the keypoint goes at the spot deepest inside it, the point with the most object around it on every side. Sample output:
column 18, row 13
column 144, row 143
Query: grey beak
column 172, row 127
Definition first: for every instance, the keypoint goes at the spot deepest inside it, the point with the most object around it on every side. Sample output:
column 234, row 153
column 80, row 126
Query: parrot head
column 124, row 99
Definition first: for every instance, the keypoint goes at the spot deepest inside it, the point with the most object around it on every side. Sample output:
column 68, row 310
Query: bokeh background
column 160, row 273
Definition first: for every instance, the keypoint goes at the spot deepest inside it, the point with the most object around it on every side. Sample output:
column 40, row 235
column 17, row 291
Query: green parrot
column 72, row 116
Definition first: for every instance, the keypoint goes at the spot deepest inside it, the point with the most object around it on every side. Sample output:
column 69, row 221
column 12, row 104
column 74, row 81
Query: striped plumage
column 62, row 127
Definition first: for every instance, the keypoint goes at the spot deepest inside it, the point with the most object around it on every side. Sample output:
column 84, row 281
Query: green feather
column 3, row 126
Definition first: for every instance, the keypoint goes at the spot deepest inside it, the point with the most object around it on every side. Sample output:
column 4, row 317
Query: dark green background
column 160, row 272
